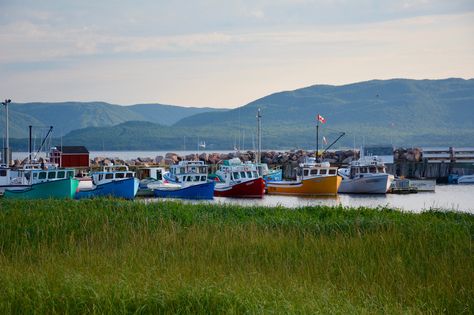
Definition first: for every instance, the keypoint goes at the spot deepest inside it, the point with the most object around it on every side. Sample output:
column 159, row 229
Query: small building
column 70, row 156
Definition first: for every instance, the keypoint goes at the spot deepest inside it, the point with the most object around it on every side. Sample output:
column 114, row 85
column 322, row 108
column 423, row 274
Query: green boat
column 43, row 184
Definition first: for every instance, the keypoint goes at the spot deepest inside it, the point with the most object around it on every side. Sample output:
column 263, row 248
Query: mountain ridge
column 398, row 111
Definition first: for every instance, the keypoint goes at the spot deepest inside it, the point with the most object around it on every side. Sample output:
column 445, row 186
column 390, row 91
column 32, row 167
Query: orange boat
column 314, row 179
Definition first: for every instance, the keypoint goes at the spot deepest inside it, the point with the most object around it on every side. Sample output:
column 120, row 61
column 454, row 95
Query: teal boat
column 43, row 184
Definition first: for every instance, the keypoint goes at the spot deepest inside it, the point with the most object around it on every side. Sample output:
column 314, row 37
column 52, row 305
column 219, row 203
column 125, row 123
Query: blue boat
column 198, row 191
column 187, row 179
column 111, row 183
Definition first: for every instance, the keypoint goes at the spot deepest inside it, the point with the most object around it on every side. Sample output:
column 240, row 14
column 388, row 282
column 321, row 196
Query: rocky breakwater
column 287, row 160
column 407, row 155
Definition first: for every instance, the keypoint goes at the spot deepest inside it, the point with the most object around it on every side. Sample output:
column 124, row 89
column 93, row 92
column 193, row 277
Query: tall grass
column 110, row 256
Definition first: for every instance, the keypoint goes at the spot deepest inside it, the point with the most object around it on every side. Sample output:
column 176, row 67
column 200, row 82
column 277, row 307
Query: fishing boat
column 237, row 179
column 113, row 181
column 186, row 180
column 365, row 176
column 313, row 179
column 42, row 184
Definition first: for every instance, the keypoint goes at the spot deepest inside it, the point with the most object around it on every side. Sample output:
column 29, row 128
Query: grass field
column 110, row 256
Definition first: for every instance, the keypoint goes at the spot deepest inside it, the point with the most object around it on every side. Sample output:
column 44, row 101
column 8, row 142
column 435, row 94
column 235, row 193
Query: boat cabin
column 4, row 176
column 112, row 173
column 365, row 166
column 191, row 172
column 155, row 173
column 236, row 171
column 310, row 168
column 34, row 176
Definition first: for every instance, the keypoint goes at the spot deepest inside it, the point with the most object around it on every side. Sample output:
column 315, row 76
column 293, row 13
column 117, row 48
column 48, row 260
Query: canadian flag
column 321, row 119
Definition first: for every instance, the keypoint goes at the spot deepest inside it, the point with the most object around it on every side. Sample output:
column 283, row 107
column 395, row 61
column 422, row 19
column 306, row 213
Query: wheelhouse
column 189, row 172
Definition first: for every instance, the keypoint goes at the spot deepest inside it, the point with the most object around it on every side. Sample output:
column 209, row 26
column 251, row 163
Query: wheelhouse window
column 42, row 175
column 203, row 178
column 101, row 176
column 332, row 171
column 70, row 174
column 190, row 178
column 236, row 175
column 323, row 171
column 373, row 169
column 109, row 176
column 3, row 173
column 61, row 174
column 249, row 174
column 381, row 169
column 255, row 174
column 242, row 174
column 129, row 175
column 51, row 175
column 314, row 172
column 119, row 175
column 306, row 172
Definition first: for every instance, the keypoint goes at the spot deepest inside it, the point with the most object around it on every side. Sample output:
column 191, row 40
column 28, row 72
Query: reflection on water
column 446, row 197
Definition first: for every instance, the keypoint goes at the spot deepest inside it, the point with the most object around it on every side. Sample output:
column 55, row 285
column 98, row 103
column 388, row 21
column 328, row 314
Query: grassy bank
column 108, row 256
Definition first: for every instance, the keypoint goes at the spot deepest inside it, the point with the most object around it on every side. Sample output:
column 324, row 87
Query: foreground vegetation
column 109, row 256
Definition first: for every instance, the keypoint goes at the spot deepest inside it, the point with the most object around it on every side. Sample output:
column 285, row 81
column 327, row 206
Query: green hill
column 399, row 111
column 405, row 112
column 68, row 116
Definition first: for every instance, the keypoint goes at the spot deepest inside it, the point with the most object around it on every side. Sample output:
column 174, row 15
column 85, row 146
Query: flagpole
column 317, row 141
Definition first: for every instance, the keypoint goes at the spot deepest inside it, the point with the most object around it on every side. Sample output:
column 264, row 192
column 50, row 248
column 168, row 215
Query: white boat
column 466, row 179
column 365, row 176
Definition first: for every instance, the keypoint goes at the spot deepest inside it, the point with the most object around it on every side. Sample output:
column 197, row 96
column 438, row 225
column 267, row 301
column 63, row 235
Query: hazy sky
column 223, row 53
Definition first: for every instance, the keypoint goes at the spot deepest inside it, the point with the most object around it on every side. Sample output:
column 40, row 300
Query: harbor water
column 446, row 197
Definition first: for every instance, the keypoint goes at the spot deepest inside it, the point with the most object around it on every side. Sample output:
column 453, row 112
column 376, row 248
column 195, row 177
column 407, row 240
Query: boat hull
column 199, row 191
column 58, row 189
column 126, row 189
column 379, row 184
column 254, row 188
column 316, row 186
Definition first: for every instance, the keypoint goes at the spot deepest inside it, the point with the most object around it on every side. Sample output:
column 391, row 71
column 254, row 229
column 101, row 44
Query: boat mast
column 6, row 150
column 259, row 137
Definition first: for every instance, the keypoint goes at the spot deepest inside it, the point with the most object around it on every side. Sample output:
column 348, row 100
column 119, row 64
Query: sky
column 223, row 53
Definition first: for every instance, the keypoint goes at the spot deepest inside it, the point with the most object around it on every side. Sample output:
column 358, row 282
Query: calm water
column 446, row 197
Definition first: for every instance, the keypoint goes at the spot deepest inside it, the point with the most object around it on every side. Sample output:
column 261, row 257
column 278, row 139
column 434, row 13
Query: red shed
column 70, row 156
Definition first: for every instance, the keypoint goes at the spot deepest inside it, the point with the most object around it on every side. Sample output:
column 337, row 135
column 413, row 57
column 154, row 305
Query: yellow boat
column 314, row 179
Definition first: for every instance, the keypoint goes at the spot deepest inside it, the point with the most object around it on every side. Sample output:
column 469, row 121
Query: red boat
column 236, row 179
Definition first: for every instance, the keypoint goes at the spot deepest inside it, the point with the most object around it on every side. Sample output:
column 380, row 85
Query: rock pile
column 269, row 157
